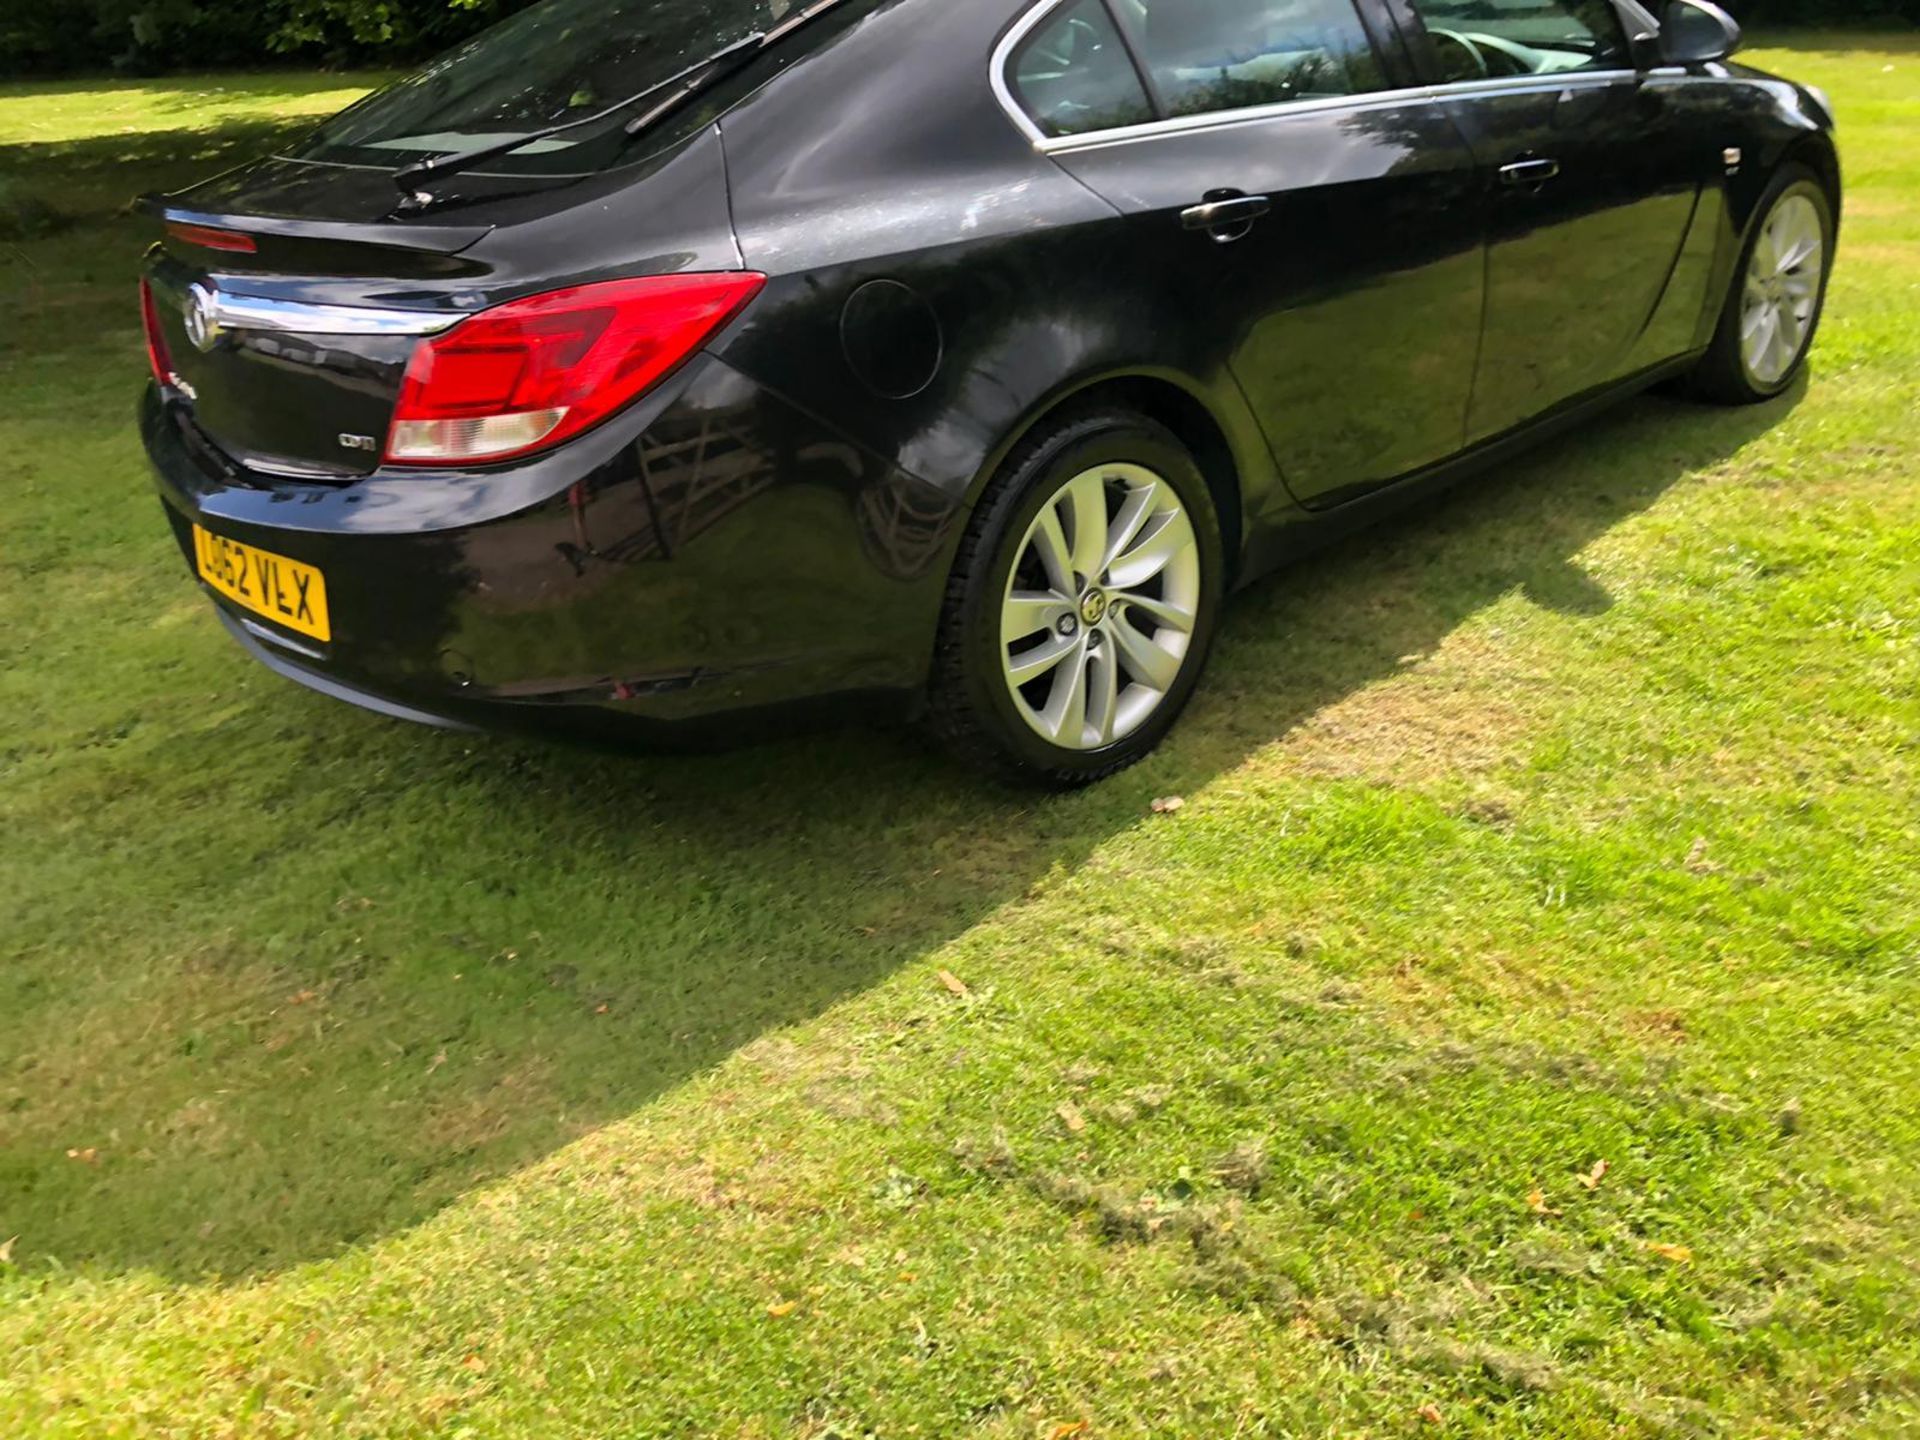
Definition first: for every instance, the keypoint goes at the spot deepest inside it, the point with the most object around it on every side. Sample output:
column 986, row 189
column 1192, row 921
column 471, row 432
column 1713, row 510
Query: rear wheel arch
column 1189, row 418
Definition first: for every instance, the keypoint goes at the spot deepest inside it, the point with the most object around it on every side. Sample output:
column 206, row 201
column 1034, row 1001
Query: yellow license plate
column 284, row 591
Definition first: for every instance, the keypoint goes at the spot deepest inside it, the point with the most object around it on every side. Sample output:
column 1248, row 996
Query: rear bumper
column 259, row 642
column 706, row 562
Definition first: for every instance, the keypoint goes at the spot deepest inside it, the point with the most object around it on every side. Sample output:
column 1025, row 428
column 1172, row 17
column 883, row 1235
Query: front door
column 1307, row 203
column 1590, row 198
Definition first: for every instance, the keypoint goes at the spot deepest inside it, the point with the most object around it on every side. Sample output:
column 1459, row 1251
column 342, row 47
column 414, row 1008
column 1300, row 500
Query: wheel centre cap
column 1093, row 606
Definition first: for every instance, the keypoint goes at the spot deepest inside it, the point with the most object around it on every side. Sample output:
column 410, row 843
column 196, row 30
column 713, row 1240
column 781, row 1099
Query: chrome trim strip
column 282, row 470
column 261, row 632
column 1220, row 119
column 1226, row 119
column 257, row 312
column 1509, row 84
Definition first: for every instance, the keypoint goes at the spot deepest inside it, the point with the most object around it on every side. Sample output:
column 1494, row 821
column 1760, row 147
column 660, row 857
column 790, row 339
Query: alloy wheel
column 1783, row 283
column 1099, row 611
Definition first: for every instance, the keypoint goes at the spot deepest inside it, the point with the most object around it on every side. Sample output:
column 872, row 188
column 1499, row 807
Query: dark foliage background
column 147, row 36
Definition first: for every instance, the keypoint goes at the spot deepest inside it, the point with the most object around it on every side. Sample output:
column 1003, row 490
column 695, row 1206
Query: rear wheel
column 1779, row 293
column 1082, row 603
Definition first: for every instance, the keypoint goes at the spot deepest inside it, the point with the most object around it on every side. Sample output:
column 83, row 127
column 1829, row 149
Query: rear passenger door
column 1590, row 195
column 1276, row 166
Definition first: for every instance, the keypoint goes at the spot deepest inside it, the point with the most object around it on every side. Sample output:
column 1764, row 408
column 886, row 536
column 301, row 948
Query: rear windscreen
column 560, row 60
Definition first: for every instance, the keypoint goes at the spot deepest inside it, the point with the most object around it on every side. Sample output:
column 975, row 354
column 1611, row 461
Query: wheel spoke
column 1797, row 235
column 1031, row 664
column 1103, row 693
column 1760, row 343
column 1763, row 362
column 1791, row 331
column 1786, row 240
column 1145, row 661
column 1779, row 352
column 1162, row 612
column 1087, row 512
column 1157, row 544
column 1050, row 543
column 1135, row 511
column 1028, row 611
column 1065, row 717
column 1798, row 252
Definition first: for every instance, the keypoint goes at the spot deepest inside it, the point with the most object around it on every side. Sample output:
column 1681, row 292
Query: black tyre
column 1082, row 603
column 1778, row 295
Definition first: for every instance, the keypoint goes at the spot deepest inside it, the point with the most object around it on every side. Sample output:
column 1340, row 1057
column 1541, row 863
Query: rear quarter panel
column 887, row 156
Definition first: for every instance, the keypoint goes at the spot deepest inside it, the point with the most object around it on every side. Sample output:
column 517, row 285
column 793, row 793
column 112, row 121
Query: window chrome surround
column 1642, row 24
column 257, row 312
column 1003, row 58
column 1523, row 84
column 1370, row 100
column 1227, row 119
column 1222, row 119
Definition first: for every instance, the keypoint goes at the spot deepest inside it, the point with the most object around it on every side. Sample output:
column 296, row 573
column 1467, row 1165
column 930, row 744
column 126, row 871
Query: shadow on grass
column 553, row 937
column 412, row 963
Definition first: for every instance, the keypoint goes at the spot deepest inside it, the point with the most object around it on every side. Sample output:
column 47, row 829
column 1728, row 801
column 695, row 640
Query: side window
column 1228, row 54
column 1073, row 75
column 1494, row 39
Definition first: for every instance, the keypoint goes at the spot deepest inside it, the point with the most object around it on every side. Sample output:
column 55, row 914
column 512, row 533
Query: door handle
column 1226, row 214
column 1530, row 172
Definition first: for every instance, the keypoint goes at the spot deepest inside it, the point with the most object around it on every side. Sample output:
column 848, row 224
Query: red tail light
column 210, row 237
column 529, row 374
column 156, row 342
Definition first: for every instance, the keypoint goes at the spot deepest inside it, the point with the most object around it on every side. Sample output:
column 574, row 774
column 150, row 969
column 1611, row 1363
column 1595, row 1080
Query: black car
column 662, row 366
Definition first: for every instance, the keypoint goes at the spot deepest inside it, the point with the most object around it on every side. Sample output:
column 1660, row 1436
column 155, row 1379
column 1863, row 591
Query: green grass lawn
column 1513, row 1034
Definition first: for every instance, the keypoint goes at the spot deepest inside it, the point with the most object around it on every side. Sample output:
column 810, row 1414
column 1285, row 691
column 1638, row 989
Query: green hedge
column 1783, row 13
column 144, row 36
column 53, row 36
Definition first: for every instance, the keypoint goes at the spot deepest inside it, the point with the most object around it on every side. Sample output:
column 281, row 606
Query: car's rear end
column 467, row 449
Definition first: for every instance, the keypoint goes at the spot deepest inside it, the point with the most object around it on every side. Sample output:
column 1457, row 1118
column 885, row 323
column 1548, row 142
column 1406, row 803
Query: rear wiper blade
column 691, row 80
column 683, row 86
column 729, row 61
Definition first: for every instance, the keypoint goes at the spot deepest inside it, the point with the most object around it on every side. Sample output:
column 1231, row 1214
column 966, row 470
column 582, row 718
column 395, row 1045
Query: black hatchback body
column 665, row 367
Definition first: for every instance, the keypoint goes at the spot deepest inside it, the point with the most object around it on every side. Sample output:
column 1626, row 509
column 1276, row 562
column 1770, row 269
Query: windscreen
column 558, row 61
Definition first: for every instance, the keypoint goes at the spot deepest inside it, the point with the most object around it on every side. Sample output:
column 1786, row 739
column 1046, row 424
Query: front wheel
column 1779, row 294
column 1082, row 603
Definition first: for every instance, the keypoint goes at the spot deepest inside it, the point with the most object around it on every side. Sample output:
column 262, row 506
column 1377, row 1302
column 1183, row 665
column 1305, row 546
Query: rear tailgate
column 291, row 295
column 289, row 333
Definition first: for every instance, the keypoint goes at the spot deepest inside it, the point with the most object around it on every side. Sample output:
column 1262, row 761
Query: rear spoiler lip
column 431, row 239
